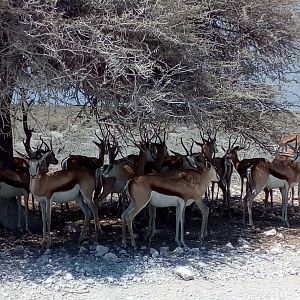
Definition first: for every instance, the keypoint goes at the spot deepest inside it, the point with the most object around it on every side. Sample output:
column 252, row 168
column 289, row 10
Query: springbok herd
column 152, row 177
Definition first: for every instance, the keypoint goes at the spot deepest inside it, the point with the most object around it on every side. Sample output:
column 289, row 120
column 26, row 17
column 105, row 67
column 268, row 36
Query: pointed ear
column 25, row 157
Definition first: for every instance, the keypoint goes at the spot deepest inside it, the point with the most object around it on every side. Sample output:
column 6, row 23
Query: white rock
column 229, row 246
column 194, row 251
column 184, row 273
column 202, row 264
column 276, row 249
column 49, row 280
column 155, row 254
column 47, row 252
column 178, row 251
column 271, row 232
column 68, row 276
column 83, row 250
column 111, row 257
column 243, row 243
column 152, row 250
column 164, row 251
column 100, row 251
column 280, row 235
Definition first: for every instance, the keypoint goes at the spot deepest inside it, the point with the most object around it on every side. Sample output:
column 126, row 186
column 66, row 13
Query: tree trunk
column 8, row 206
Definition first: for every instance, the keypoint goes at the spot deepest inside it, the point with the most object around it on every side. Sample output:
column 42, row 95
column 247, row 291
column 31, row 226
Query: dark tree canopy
column 193, row 60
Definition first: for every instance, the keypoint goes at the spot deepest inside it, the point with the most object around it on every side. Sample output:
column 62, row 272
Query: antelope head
column 35, row 162
column 209, row 146
column 232, row 149
column 50, row 158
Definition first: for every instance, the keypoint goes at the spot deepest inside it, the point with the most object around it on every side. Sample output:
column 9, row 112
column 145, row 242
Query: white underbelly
column 161, row 200
column 9, row 191
column 274, row 182
column 66, row 196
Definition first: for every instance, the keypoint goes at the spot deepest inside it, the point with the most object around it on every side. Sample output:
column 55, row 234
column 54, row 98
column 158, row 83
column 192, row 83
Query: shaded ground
column 66, row 226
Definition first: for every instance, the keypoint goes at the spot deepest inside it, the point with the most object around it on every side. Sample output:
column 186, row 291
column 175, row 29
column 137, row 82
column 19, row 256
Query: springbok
column 114, row 176
column 285, row 153
column 15, row 183
column 85, row 162
column 61, row 186
column 178, row 189
column 283, row 175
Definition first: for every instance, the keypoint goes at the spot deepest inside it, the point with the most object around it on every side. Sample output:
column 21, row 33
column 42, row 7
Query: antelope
column 113, row 177
column 224, row 168
column 284, row 154
column 283, row 175
column 179, row 189
column 15, row 183
column 241, row 166
column 61, row 186
column 84, row 162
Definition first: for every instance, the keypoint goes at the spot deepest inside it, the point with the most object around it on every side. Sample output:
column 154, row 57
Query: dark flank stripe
column 65, row 187
column 278, row 175
column 165, row 191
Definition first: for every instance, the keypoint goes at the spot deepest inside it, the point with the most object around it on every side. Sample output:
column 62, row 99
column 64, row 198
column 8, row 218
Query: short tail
column 64, row 163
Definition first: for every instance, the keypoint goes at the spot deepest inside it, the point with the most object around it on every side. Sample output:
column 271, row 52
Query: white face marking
column 34, row 166
column 151, row 153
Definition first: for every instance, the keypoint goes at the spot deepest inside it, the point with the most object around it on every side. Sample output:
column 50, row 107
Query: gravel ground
column 229, row 272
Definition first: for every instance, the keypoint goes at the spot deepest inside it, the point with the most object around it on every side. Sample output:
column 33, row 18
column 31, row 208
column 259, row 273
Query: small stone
column 271, row 232
column 276, row 249
column 229, row 246
column 68, row 276
column 100, row 251
column 143, row 248
column 178, row 251
column 152, row 250
column 47, row 252
column 49, row 280
column 111, row 258
column 194, row 251
column 164, row 251
column 90, row 281
column 83, row 250
column 202, row 264
column 280, row 235
column 184, row 273
column 155, row 254
column 243, row 243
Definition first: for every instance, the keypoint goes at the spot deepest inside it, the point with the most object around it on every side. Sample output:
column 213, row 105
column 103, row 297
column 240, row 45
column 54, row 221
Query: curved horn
column 186, row 150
